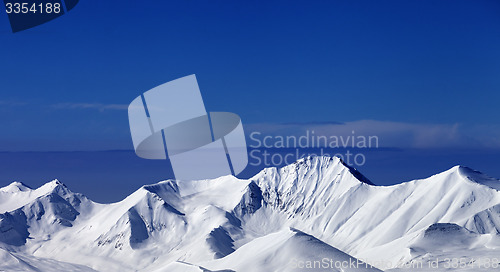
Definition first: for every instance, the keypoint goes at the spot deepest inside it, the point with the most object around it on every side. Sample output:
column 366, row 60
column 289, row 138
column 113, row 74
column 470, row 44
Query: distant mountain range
column 317, row 214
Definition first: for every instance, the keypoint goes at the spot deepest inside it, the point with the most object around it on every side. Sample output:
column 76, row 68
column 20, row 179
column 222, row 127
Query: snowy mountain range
column 317, row 214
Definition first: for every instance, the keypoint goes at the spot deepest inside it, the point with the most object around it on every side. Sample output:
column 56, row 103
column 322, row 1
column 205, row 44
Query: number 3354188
column 32, row 8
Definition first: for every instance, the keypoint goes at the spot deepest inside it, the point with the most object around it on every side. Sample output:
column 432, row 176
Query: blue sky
column 407, row 66
column 70, row 80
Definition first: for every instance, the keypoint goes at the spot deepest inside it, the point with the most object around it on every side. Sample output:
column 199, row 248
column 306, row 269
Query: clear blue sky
column 425, row 74
column 65, row 84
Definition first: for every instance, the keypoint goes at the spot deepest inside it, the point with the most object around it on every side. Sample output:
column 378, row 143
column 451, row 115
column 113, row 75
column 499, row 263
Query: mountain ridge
column 205, row 222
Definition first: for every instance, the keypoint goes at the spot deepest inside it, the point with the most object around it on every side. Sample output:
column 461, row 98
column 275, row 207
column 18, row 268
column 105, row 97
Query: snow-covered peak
column 460, row 176
column 50, row 186
column 477, row 177
column 318, row 162
column 311, row 172
column 324, row 166
column 15, row 187
column 17, row 195
column 56, row 187
column 308, row 184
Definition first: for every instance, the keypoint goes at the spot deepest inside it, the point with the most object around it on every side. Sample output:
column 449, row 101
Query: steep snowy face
column 310, row 182
column 37, row 213
column 139, row 217
column 485, row 221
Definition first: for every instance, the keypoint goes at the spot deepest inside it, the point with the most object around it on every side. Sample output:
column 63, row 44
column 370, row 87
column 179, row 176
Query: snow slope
column 323, row 197
column 316, row 208
column 289, row 250
column 17, row 262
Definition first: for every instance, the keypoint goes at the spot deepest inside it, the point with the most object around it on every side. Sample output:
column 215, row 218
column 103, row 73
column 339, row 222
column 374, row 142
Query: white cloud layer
column 97, row 106
column 394, row 134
